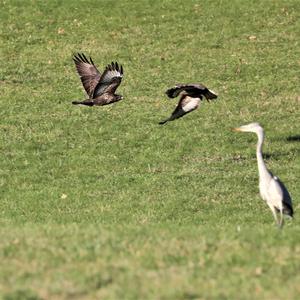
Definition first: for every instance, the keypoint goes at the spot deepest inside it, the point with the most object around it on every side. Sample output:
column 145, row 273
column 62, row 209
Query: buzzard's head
column 118, row 97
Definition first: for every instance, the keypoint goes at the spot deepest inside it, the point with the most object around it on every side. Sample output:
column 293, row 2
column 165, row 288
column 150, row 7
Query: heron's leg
column 273, row 212
column 281, row 218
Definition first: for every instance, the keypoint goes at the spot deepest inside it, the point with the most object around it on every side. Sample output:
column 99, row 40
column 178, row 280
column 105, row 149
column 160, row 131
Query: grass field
column 103, row 203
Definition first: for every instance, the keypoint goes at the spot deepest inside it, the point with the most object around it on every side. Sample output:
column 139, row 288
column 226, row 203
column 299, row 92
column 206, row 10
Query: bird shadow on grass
column 277, row 155
column 274, row 156
column 293, row 138
column 266, row 156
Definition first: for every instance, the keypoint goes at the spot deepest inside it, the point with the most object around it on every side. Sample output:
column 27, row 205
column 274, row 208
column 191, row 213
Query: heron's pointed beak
column 236, row 129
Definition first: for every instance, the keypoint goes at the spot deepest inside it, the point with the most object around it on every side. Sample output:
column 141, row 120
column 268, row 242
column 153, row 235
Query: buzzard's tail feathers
column 88, row 103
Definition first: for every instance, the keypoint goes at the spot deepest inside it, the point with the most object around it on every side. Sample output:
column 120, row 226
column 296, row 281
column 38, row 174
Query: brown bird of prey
column 99, row 87
column 190, row 97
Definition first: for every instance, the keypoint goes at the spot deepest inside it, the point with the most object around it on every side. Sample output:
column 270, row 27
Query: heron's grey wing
column 88, row 73
column 279, row 192
column 193, row 90
column 287, row 199
column 110, row 79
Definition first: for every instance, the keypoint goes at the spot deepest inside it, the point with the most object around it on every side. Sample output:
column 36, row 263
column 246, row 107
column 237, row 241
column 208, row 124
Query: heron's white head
column 252, row 127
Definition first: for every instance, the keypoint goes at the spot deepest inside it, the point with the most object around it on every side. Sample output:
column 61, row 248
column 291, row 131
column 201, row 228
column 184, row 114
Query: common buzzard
column 190, row 97
column 99, row 87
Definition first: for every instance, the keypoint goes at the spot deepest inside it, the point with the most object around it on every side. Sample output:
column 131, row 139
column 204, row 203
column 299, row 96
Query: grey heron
column 271, row 189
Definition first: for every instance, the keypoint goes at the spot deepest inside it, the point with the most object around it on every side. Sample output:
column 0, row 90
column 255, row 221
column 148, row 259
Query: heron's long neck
column 262, row 169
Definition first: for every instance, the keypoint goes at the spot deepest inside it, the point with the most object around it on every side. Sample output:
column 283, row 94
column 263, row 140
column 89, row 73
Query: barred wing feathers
column 110, row 79
column 88, row 73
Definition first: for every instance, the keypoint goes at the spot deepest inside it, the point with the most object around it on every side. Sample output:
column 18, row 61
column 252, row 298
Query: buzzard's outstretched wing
column 110, row 80
column 192, row 90
column 88, row 73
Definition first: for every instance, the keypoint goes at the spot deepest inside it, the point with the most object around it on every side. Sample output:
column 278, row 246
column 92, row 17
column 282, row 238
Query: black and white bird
column 190, row 97
column 99, row 87
column 271, row 189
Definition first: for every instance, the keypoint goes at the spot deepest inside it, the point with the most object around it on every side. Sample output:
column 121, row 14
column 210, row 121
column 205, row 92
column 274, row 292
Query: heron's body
column 271, row 189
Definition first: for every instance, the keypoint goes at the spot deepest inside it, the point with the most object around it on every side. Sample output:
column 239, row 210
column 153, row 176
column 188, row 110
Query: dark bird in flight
column 99, row 87
column 190, row 97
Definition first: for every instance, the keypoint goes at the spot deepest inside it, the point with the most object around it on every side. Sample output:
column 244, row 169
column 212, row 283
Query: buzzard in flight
column 99, row 87
column 190, row 97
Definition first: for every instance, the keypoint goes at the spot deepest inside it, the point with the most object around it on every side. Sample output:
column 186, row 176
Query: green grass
column 103, row 203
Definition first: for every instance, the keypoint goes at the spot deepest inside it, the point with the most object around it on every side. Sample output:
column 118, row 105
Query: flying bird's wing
column 193, row 90
column 182, row 108
column 88, row 73
column 110, row 79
